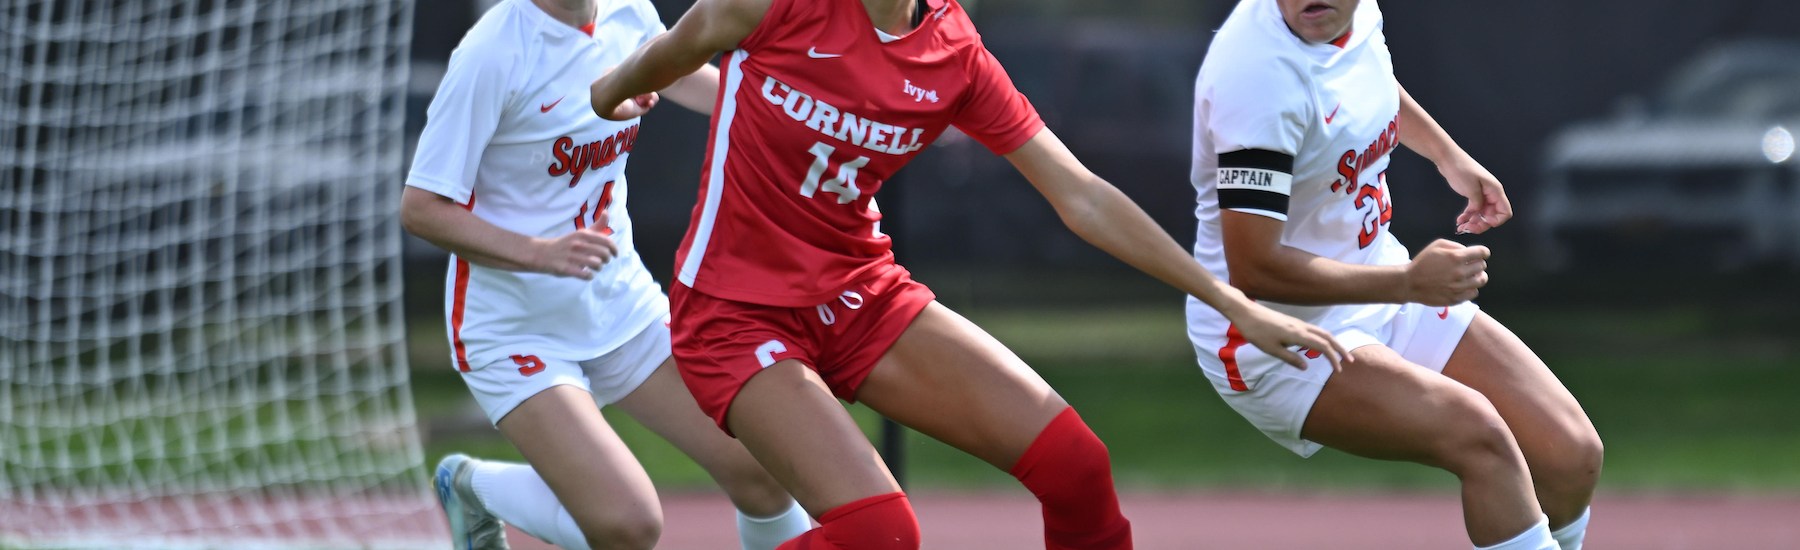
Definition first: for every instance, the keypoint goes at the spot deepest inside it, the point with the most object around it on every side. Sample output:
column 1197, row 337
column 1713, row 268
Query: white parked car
column 1712, row 151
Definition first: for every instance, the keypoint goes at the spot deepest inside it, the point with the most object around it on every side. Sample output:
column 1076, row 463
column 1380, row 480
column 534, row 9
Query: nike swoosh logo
column 1333, row 114
column 814, row 53
column 1445, row 314
column 552, row 105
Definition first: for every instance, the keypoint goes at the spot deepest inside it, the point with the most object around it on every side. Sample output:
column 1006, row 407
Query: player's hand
column 630, row 108
column 1446, row 273
column 577, row 254
column 1274, row 333
column 1488, row 206
column 627, row 109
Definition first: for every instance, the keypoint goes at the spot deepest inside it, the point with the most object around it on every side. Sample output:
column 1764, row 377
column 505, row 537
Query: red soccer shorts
column 719, row 344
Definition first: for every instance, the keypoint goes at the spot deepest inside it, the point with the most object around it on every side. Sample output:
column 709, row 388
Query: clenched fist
column 1446, row 273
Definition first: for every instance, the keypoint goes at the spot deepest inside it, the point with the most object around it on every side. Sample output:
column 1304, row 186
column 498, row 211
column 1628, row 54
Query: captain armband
column 1256, row 181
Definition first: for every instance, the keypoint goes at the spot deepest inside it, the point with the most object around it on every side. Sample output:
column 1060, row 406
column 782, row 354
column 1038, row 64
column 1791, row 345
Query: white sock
column 1535, row 538
column 1569, row 536
column 767, row 533
column 516, row 494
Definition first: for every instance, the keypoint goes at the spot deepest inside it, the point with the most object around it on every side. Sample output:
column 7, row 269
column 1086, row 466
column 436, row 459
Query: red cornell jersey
column 816, row 109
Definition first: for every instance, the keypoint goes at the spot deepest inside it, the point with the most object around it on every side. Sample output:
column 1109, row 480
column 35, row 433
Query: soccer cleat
column 472, row 527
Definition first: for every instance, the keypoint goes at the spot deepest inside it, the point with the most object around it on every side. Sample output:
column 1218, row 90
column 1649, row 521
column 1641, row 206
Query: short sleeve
column 653, row 23
column 1265, row 107
column 1257, row 112
column 993, row 111
column 459, row 124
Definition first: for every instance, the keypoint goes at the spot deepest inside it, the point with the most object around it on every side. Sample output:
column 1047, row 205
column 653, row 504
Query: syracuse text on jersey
column 578, row 159
column 1351, row 167
column 842, row 125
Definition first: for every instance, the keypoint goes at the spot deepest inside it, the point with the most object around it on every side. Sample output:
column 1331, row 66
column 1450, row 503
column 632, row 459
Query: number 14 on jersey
column 845, row 182
column 599, row 215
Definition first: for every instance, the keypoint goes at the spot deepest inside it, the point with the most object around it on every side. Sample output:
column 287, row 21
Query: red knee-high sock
column 1068, row 469
column 881, row 522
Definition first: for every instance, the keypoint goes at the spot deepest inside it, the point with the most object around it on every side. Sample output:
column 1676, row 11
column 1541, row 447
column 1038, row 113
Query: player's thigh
column 790, row 422
column 1541, row 413
column 564, row 437
column 641, row 379
column 664, row 405
column 950, row 380
column 1382, row 406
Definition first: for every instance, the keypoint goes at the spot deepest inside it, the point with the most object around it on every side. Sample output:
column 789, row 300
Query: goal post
column 201, row 340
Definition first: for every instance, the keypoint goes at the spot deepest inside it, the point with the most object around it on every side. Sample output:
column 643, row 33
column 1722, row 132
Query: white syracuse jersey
column 1265, row 96
column 510, row 135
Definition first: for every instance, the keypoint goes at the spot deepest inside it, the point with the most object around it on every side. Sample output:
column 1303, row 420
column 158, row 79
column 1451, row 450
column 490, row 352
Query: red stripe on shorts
column 1228, row 354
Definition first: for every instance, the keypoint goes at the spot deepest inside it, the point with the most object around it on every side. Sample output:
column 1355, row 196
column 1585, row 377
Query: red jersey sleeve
column 993, row 111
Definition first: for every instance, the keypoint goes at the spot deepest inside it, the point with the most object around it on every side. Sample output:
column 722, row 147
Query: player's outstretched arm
column 1443, row 273
column 1488, row 205
column 710, row 27
column 698, row 91
column 438, row 219
column 1106, row 218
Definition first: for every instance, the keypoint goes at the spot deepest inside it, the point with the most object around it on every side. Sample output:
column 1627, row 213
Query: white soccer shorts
column 1276, row 397
column 502, row 386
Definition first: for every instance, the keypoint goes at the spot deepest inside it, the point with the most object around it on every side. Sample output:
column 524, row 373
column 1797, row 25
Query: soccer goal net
column 200, row 324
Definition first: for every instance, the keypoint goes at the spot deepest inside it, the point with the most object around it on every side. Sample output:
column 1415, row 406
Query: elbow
column 409, row 219
column 1081, row 216
column 413, row 215
column 1250, row 277
column 1089, row 209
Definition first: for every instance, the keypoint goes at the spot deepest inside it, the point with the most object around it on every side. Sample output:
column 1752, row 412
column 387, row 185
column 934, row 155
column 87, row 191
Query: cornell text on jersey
column 841, row 125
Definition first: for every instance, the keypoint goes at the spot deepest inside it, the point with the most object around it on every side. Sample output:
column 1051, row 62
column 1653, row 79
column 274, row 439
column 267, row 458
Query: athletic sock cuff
column 1580, row 523
column 1533, row 538
column 792, row 507
column 1044, row 442
column 856, row 505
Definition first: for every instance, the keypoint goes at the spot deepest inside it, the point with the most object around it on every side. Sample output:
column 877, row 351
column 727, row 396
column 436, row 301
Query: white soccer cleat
column 472, row 527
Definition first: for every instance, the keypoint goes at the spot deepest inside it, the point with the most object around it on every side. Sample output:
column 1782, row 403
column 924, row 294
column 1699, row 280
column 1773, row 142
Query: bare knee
column 1476, row 440
column 636, row 529
column 1567, row 473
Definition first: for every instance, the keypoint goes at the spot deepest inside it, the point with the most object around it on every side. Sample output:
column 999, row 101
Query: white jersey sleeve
column 460, row 122
column 1258, row 122
column 1261, row 106
column 653, row 21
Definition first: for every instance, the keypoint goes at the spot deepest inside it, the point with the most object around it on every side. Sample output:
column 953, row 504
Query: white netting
column 200, row 325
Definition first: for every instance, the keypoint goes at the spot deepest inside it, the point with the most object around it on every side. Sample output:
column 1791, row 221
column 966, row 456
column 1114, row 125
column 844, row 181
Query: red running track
column 959, row 521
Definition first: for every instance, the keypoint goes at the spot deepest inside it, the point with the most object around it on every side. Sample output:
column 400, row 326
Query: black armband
column 1256, row 180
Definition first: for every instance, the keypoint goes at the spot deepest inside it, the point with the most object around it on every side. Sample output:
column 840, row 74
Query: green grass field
column 1686, row 397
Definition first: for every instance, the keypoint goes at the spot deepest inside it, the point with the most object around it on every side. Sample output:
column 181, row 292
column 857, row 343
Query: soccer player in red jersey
column 788, row 293
column 550, row 313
